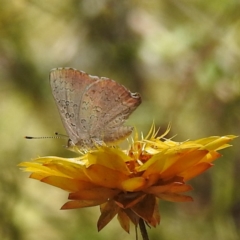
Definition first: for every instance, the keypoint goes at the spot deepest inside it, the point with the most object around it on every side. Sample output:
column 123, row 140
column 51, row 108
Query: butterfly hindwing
column 109, row 105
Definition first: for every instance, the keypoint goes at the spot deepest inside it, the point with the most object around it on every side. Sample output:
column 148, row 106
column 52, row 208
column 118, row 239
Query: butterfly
column 93, row 109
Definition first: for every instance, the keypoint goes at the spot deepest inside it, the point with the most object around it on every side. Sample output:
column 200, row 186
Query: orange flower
column 129, row 183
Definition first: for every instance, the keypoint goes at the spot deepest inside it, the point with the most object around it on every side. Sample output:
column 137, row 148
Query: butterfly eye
column 70, row 143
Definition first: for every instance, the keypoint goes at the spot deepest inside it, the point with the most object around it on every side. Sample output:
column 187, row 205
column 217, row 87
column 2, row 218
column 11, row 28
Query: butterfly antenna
column 60, row 135
column 57, row 135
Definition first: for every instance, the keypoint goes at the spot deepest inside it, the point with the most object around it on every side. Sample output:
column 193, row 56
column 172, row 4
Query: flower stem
column 143, row 229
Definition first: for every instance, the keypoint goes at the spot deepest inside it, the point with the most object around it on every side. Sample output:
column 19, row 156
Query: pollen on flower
column 129, row 183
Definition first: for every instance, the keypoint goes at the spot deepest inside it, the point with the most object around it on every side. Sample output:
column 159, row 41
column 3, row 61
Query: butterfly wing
column 68, row 86
column 109, row 104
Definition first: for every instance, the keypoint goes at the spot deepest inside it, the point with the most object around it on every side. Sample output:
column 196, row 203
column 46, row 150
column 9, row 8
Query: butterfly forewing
column 92, row 109
column 68, row 86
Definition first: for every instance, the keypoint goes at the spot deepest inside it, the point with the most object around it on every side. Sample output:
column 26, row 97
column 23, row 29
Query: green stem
column 143, row 229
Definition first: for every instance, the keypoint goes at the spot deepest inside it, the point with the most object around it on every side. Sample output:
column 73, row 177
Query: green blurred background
column 182, row 56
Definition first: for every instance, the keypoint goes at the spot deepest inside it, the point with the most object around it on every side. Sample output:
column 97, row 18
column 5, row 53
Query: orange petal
column 184, row 162
column 38, row 176
column 127, row 200
column 108, row 212
column 145, row 208
column 164, row 161
column 124, row 220
column 174, row 197
column 156, row 162
column 132, row 216
column 175, row 187
column 97, row 193
column 152, row 179
column 211, row 156
column 81, row 204
column 179, row 188
column 156, row 216
column 195, row 170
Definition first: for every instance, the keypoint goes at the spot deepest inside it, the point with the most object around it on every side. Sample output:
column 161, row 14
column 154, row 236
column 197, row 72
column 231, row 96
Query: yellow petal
column 111, row 158
column 216, row 142
column 38, row 168
column 69, row 170
column 133, row 184
column 71, row 185
column 105, row 177
column 47, row 166
column 156, row 161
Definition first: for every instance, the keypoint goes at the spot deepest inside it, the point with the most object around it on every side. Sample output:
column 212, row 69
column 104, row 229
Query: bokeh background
column 182, row 56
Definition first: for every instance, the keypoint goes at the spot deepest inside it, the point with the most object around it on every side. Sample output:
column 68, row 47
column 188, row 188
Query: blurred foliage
column 182, row 56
